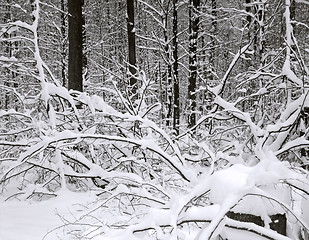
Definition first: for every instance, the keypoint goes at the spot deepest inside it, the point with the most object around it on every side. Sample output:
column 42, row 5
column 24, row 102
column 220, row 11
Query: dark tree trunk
column 176, row 119
column 8, row 47
column 193, row 38
column 208, row 97
column 261, row 45
column 63, row 45
column 293, row 23
column 169, row 77
column 293, row 10
column 213, row 32
column 84, row 39
column 132, row 46
column 75, row 68
column 248, row 24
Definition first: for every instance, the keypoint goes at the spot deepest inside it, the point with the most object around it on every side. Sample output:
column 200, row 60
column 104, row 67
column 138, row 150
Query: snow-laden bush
column 149, row 184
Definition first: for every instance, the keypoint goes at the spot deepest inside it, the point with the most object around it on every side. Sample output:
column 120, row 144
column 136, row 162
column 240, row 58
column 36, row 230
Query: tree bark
column 8, row 47
column 84, row 48
column 63, row 45
column 176, row 119
column 261, row 20
column 250, row 21
column 75, row 80
column 193, row 38
column 132, row 46
column 213, row 32
column 168, row 75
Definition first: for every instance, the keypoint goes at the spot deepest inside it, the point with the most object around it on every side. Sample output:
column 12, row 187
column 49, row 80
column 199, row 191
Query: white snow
column 226, row 181
column 8, row 59
column 130, row 202
column 228, row 188
column 30, row 220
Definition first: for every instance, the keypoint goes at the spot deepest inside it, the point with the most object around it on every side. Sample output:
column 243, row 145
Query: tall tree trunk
column 193, row 38
column 168, row 74
column 289, row 44
column 208, row 101
column 63, row 45
column 8, row 47
column 84, row 49
column 261, row 21
column 293, row 22
column 75, row 68
column 132, row 46
column 176, row 119
column 248, row 9
column 213, row 32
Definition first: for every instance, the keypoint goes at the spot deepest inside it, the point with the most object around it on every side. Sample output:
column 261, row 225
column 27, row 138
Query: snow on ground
column 30, row 220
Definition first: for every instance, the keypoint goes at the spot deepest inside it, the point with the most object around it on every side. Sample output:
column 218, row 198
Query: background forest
column 184, row 119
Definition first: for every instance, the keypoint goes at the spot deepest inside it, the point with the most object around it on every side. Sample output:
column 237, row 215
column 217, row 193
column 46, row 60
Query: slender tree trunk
column 84, row 39
column 208, row 100
column 248, row 9
column 193, row 38
column 132, row 46
column 75, row 68
column 8, row 47
column 8, row 50
column 293, row 22
column 63, row 45
column 176, row 119
column 261, row 20
column 162, row 92
column 289, row 42
column 168, row 74
column 213, row 32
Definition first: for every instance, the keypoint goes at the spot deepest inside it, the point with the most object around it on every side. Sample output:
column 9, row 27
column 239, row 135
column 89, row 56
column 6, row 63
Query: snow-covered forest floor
column 30, row 220
column 73, row 215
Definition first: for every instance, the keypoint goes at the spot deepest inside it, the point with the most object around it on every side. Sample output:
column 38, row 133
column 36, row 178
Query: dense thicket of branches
column 244, row 65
